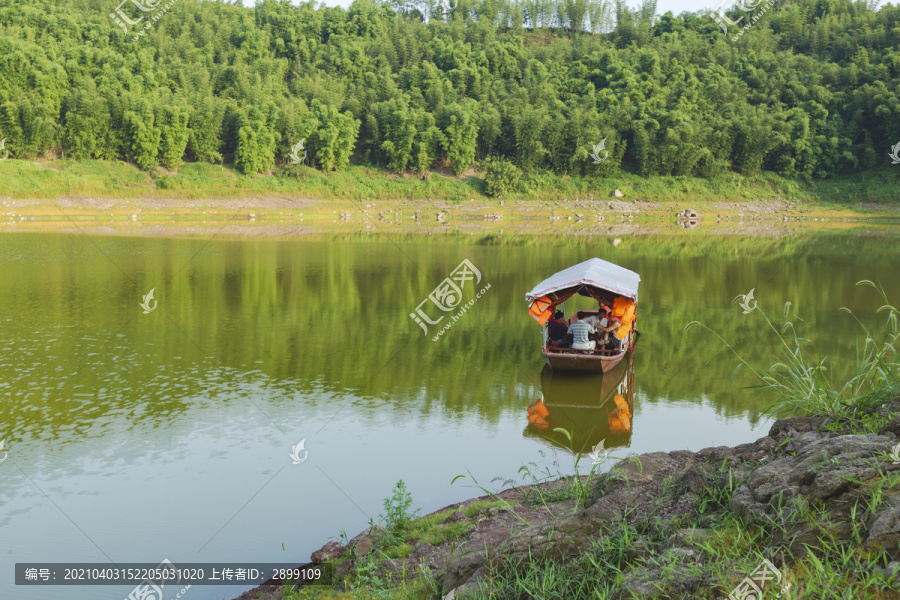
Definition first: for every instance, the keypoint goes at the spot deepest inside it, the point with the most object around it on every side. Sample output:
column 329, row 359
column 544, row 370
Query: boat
column 594, row 408
column 606, row 283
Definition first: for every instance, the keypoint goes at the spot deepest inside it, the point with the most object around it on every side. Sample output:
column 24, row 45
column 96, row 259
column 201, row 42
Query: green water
column 135, row 437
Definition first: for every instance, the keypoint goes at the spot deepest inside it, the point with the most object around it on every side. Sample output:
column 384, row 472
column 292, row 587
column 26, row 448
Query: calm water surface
column 135, row 437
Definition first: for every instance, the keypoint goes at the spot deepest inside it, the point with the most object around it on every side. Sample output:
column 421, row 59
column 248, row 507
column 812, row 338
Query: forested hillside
column 811, row 90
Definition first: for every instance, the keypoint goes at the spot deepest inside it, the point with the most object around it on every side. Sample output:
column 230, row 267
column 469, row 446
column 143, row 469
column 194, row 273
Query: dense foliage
column 811, row 90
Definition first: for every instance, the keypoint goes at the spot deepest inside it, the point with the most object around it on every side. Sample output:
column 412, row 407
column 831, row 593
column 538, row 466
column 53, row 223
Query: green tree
column 142, row 135
column 205, row 131
column 500, row 177
column 174, row 136
column 256, row 142
column 461, row 136
column 334, row 137
column 86, row 121
column 811, row 90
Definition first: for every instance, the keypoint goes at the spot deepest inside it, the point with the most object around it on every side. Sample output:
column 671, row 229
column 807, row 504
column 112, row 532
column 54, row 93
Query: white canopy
column 594, row 272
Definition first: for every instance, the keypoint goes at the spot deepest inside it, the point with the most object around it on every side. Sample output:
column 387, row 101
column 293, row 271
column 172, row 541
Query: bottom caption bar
column 169, row 574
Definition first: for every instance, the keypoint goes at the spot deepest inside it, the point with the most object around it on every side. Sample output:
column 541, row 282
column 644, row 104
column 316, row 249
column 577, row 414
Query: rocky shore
column 805, row 489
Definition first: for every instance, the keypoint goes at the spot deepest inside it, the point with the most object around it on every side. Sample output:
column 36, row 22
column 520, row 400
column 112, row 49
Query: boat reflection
column 593, row 407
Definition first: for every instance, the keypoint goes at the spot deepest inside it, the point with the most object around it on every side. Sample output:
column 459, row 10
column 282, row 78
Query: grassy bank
column 835, row 568
column 821, row 551
column 95, row 178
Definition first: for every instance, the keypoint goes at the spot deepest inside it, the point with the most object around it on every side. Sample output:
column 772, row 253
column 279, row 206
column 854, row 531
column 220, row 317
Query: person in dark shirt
column 558, row 328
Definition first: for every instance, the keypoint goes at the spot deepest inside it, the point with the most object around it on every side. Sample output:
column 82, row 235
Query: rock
column 794, row 425
column 456, row 517
column 392, row 566
column 796, row 472
column 366, row 540
column 687, row 214
column 616, row 242
column 821, row 470
column 685, row 555
column 638, row 549
column 689, row 537
column 891, row 570
column 329, row 551
column 892, row 428
column 884, row 529
column 422, row 554
column 343, row 569
column 465, row 591
column 667, row 577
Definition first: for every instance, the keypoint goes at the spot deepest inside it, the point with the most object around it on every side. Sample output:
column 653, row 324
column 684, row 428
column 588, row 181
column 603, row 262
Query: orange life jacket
column 623, row 309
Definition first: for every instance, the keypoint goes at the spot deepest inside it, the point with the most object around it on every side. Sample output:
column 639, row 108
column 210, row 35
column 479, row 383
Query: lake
column 135, row 437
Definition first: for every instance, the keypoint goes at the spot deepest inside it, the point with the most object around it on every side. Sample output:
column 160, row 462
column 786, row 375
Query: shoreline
column 281, row 217
column 672, row 501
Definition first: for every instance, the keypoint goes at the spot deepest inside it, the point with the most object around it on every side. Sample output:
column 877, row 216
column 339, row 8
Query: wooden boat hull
column 582, row 362
column 594, row 363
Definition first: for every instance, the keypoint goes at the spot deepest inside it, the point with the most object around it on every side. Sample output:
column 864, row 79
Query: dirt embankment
column 291, row 217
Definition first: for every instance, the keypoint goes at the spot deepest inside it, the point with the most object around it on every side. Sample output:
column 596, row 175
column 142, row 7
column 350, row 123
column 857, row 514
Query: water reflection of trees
column 334, row 316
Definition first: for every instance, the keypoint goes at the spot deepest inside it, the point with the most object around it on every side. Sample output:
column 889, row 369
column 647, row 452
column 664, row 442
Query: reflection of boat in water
column 613, row 287
column 593, row 407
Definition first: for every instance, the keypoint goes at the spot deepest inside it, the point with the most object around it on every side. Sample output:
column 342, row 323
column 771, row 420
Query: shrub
column 501, row 176
column 397, row 515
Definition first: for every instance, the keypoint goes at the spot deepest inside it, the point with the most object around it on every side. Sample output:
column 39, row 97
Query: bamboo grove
column 812, row 90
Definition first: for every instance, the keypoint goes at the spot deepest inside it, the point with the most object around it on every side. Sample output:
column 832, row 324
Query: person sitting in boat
column 600, row 318
column 604, row 329
column 622, row 317
column 592, row 320
column 580, row 332
column 559, row 329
